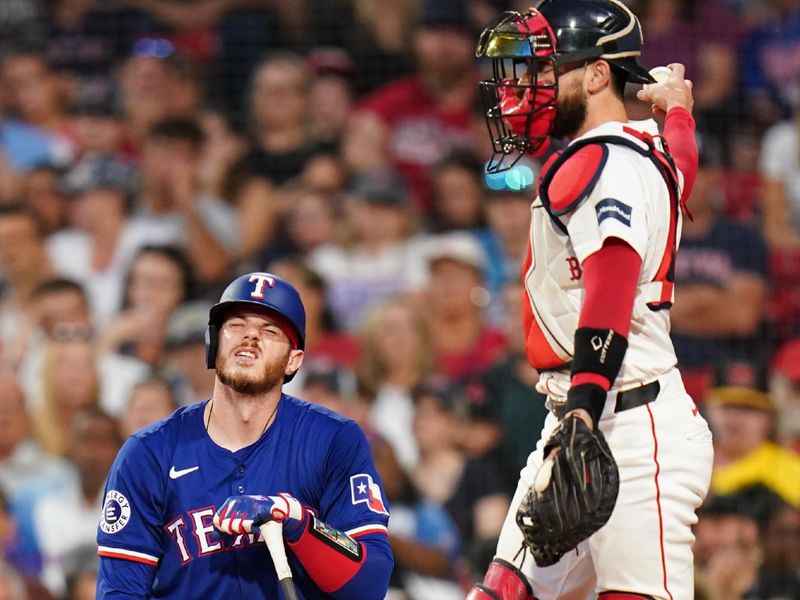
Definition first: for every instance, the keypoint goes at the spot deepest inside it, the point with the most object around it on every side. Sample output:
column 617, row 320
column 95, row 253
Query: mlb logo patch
column 610, row 208
column 363, row 489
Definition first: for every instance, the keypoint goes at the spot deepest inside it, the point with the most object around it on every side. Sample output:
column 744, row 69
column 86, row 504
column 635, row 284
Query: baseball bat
column 272, row 532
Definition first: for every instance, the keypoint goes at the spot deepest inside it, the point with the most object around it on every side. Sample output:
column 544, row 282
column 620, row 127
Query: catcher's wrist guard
column 598, row 351
column 503, row 581
column 573, row 494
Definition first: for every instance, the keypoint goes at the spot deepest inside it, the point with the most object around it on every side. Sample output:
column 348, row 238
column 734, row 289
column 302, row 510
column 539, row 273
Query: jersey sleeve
column 131, row 521
column 353, row 499
column 616, row 208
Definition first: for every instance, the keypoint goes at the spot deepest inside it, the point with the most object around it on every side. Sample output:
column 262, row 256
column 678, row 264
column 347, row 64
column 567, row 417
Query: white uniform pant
column 664, row 453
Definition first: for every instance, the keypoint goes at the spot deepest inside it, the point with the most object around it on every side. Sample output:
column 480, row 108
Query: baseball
column 660, row 74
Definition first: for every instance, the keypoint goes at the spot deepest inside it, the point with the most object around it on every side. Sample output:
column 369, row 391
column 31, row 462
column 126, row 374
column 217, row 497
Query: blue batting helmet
column 264, row 290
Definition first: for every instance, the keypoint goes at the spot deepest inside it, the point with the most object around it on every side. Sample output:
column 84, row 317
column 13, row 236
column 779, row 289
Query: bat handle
column 272, row 532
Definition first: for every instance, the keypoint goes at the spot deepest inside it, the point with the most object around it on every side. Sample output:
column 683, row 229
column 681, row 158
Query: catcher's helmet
column 264, row 290
column 520, row 109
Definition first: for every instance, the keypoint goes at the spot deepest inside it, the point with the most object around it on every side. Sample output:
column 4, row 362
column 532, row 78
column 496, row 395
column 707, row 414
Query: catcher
column 607, row 500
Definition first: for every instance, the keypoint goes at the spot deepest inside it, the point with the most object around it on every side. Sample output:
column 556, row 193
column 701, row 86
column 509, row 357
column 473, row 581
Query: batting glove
column 245, row 514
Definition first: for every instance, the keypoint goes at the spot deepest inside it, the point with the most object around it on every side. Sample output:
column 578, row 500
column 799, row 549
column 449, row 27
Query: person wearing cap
column 784, row 385
column 187, row 497
column 742, row 417
column 604, row 229
column 455, row 299
column 383, row 257
column 184, row 350
column 414, row 121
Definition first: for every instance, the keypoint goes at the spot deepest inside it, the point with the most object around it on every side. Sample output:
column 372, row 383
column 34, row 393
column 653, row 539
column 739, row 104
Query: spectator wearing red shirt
column 413, row 122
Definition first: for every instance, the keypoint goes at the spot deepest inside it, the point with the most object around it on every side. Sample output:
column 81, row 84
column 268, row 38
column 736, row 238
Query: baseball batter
column 186, row 496
column 605, row 227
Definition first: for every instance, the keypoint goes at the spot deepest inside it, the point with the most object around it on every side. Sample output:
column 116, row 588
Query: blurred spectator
column 785, row 391
column 457, row 186
column 780, row 210
column 424, row 540
column 313, row 220
column 323, row 338
column 396, row 356
column 184, row 364
column 23, row 266
column 383, row 258
column 150, row 401
column 726, row 549
column 780, row 166
column 21, row 24
column 99, row 127
column 520, row 409
column 779, row 572
column 38, row 98
column 770, row 76
column 414, row 121
column 331, row 96
column 26, row 472
column 98, row 248
column 223, row 146
column 66, row 522
column 173, row 206
column 81, row 571
column 329, row 385
column 381, row 43
column 41, row 193
column 84, row 41
column 158, row 281
column 24, row 146
column 720, row 282
column 455, row 299
column 482, row 496
column 61, row 305
column 279, row 114
column 13, row 571
column 742, row 418
column 708, row 53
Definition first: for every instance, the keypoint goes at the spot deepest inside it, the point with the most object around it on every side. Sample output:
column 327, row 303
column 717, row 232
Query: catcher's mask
column 520, row 105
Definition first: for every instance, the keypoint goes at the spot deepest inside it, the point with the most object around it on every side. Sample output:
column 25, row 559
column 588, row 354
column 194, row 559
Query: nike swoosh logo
column 175, row 473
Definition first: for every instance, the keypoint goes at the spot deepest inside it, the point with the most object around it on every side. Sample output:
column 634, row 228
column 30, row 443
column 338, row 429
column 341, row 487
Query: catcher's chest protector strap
column 568, row 178
column 503, row 581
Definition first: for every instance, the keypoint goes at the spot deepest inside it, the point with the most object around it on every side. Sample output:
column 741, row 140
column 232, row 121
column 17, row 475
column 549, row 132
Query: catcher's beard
column 571, row 112
column 245, row 383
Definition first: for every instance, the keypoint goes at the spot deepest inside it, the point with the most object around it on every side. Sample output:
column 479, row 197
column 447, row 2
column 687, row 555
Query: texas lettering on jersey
column 169, row 479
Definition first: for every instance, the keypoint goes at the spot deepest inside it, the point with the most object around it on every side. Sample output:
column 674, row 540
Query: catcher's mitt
column 573, row 493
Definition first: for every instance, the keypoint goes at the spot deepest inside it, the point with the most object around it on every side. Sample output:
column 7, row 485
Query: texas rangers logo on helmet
column 363, row 489
column 261, row 280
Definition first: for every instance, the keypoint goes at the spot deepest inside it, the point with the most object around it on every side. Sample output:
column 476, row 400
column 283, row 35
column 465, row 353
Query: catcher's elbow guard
column 503, row 581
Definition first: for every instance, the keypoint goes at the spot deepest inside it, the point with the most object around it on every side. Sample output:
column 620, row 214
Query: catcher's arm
column 610, row 278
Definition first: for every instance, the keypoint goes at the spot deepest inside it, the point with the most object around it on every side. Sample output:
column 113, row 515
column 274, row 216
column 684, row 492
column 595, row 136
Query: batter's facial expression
column 254, row 353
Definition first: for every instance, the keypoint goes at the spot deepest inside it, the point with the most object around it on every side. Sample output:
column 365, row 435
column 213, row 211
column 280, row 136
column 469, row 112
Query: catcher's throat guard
column 573, row 494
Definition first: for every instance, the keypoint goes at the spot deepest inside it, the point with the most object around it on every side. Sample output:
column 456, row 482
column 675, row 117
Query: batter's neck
column 235, row 421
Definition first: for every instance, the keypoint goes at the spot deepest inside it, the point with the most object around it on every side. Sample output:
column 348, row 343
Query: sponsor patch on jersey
column 364, row 490
column 116, row 512
column 610, row 208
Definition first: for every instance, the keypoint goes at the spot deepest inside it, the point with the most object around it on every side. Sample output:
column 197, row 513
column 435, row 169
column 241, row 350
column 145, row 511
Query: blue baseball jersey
column 169, row 479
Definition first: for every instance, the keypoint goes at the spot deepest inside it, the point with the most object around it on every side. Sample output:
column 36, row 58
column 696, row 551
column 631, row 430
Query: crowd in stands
column 152, row 150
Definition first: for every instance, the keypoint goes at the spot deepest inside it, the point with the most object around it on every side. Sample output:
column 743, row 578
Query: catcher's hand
column 573, row 493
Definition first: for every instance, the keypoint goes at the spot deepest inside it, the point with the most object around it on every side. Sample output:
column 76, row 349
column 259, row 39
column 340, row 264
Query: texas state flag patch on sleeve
column 364, row 490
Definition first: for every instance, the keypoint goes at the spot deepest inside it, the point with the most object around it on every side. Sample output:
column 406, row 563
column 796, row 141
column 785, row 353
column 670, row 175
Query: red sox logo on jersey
column 261, row 280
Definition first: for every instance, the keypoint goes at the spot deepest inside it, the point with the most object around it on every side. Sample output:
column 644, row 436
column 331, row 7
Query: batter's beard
column 570, row 114
column 245, row 383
